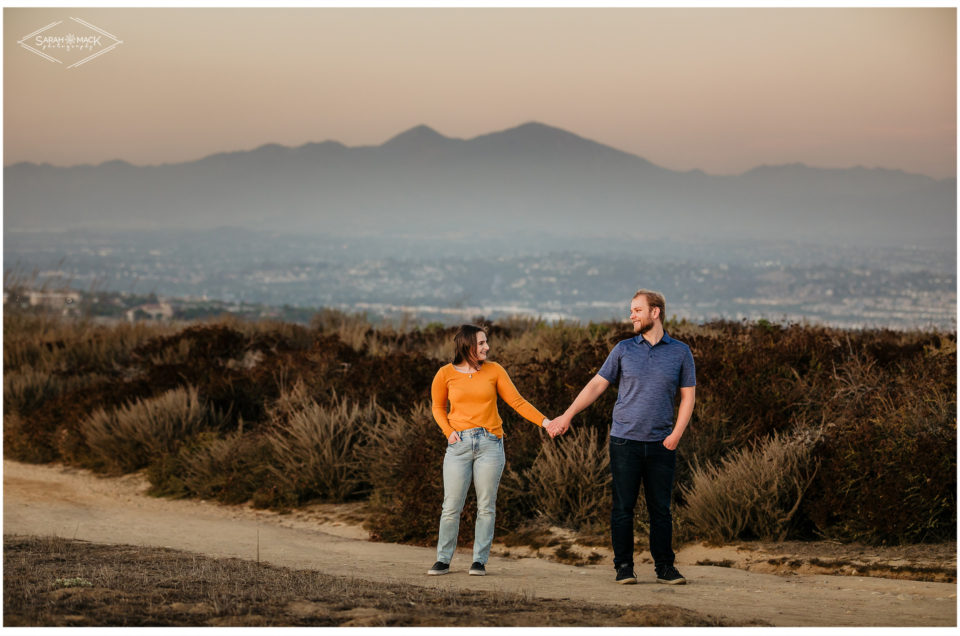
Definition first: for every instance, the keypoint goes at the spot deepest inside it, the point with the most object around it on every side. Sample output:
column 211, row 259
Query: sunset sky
column 722, row 90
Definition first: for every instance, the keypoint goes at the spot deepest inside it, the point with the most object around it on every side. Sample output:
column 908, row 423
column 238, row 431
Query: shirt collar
column 639, row 339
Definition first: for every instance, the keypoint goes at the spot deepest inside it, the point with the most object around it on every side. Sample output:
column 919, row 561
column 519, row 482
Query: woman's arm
column 438, row 392
column 510, row 395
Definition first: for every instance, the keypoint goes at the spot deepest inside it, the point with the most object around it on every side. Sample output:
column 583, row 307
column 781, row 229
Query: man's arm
column 595, row 387
column 688, row 395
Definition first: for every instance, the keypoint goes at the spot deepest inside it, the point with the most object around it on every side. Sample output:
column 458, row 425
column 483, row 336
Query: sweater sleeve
column 512, row 397
column 438, row 392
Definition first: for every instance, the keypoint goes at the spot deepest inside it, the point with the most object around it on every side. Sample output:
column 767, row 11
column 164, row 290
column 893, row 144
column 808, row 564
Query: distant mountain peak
column 537, row 137
column 536, row 125
column 116, row 163
column 416, row 136
column 538, row 130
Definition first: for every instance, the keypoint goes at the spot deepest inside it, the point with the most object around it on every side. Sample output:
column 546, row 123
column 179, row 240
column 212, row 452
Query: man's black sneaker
column 625, row 575
column 478, row 569
column 439, row 568
column 669, row 576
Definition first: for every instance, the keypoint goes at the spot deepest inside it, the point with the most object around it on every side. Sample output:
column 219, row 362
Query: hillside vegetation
column 799, row 432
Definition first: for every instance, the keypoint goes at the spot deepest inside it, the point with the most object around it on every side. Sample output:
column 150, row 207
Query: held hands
column 558, row 426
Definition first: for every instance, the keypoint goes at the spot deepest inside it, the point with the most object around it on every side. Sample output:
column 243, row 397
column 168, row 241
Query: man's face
column 640, row 315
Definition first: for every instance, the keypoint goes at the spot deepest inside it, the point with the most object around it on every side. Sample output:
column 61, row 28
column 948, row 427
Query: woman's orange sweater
column 473, row 399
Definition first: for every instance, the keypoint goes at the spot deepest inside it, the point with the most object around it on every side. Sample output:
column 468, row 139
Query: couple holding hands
column 649, row 369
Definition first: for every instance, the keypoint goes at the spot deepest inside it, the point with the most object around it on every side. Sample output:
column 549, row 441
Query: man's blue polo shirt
column 648, row 377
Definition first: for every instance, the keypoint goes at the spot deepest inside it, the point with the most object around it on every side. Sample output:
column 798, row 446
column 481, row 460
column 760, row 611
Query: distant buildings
column 67, row 303
column 150, row 311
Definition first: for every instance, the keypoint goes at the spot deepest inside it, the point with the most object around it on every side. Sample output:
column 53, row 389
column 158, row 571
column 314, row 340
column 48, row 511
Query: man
column 649, row 368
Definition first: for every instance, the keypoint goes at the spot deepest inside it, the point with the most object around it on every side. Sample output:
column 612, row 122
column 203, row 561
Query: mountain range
column 525, row 181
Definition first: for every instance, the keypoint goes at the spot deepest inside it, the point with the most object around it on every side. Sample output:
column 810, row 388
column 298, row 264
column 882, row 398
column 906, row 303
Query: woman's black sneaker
column 439, row 568
column 625, row 575
column 669, row 576
column 478, row 569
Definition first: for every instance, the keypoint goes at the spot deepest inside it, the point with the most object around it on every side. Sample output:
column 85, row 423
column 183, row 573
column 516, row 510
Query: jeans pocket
column 617, row 441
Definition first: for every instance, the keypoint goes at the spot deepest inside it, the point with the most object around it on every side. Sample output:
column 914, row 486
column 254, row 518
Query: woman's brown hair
column 465, row 345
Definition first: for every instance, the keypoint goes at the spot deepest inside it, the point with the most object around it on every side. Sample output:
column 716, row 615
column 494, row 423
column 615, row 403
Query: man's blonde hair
column 654, row 299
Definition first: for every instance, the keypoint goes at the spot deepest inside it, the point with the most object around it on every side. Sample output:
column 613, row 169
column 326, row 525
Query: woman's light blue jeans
column 477, row 456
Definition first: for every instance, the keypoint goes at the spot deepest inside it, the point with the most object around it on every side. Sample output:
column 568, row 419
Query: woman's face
column 482, row 346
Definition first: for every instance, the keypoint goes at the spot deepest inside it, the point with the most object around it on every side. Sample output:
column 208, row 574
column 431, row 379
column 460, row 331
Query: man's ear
column 656, row 315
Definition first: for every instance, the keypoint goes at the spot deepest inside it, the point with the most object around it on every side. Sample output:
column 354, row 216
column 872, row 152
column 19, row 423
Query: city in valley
column 258, row 274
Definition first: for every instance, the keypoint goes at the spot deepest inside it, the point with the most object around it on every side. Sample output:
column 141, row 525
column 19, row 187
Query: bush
column 30, row 401
column 227, row 469
column 54, row 344
column 316, row 450
column 18, row 442
column 129, row 438
column 754, row 493
column 885, row 400
column 54, row 427
column 570, row 479
column 26, row 389
column 889, row 481
column 889, row 447
column 406, row 470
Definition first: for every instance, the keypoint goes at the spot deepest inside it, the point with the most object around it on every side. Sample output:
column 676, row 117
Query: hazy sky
column 722, row 90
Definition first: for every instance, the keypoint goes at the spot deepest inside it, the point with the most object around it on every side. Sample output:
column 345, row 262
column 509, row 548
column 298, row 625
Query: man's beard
column 643, row 328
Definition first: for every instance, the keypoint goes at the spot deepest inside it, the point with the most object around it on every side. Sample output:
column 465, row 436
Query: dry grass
column 387, row 339
column 128, row 438
column 228, row 469
column 545, row 344
column 49, row 581
column 295, row 336
column 385, row 455
column 753, row 493
column 27, row 389
column 55, row 344
column 317, row 449
column 354, row 329
column 885, row 401
column 570, row 479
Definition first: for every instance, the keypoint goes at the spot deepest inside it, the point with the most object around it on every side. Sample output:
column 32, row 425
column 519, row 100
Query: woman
column 474, row 433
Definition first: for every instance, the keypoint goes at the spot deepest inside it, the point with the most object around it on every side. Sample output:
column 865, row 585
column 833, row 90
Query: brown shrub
column 317, row 451
column 886, row 400
column 888, row 481
column 889, row 447
column 753, row 493
column 226, row 469
column 129, row 438
column 71, row 347
column 26, row 389
column 570, row 479
column 405, row 466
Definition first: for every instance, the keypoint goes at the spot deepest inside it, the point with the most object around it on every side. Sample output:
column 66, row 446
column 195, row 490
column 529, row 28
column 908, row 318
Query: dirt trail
column 55, row 500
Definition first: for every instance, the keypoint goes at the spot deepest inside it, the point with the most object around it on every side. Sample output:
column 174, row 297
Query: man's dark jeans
column 634, row 463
